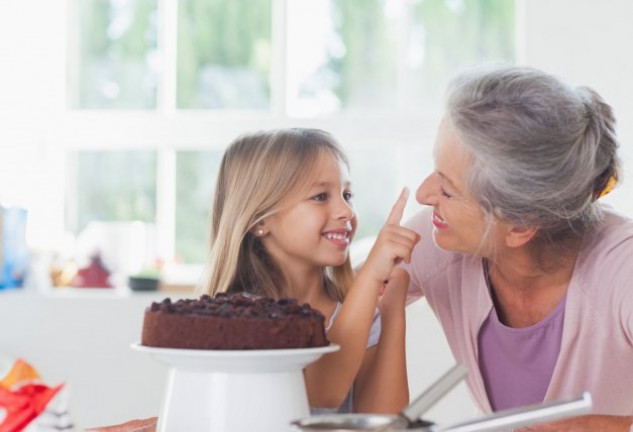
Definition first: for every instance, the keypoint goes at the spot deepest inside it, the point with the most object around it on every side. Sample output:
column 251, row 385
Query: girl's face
column 316, row 229
column 458, row 220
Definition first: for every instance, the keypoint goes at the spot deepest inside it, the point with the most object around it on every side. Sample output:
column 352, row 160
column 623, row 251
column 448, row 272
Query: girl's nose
column 344, row 209
column 428, row 191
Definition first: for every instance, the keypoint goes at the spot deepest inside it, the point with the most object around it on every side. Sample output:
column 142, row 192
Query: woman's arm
column 381, row 385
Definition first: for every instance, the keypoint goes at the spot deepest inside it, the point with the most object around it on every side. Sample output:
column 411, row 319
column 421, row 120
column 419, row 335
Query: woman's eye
column 347, row 196
column 445, row 194
column 320, row 197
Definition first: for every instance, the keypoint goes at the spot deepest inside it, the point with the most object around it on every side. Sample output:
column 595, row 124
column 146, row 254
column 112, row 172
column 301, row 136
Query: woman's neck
column 524, row 292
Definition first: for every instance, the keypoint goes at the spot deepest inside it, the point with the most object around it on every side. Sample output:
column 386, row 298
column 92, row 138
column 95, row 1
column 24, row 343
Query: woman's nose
column 428, row 191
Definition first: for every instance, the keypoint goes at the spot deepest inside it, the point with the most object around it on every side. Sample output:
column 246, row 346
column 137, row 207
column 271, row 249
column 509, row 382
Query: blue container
column 13, row 248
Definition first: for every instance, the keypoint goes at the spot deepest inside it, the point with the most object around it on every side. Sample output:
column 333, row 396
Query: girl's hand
column 394, row 296
column 590, row 423
column 393, row 245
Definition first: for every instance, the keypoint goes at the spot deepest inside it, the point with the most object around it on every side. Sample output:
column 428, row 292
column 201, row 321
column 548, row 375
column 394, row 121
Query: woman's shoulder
column 604, row 269
column 615, row 231
column 607, row 254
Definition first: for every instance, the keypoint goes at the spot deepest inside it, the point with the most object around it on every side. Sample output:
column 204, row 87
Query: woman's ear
column 520, row 235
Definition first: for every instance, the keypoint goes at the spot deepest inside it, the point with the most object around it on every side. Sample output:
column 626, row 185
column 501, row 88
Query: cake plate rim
column 271, row 352
column 268, row 360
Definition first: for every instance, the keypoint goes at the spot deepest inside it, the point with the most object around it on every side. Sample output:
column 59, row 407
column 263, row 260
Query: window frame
column 167, row 129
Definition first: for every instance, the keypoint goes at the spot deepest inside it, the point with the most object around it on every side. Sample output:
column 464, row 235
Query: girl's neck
column 308, row 287
column 305, row 285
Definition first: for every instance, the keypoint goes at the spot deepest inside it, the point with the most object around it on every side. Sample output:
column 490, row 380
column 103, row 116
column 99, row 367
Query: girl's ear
column 518, row 236
column 260, row 230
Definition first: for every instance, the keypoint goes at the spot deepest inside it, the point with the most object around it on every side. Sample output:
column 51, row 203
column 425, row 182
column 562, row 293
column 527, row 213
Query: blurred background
column 115, row 112
column 114, row 115
column 120, row 109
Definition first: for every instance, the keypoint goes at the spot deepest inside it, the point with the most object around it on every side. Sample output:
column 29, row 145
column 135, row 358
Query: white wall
column 588, row 42
column 32, row 85
column 84, row 341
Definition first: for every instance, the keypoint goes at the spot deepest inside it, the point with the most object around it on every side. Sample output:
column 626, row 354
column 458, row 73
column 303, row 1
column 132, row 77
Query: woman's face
column 458, row 220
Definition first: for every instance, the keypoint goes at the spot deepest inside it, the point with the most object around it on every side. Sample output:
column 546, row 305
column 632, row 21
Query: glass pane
column 115, row 186
column 195, row 181
column 116, row 55
column 375, row 54
column 224, row 52
column 341, row 55
column 447, row 36
column 372, row 192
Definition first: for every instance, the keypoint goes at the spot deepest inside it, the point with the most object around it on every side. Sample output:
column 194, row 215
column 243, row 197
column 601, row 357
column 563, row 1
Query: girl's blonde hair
column 258, row 174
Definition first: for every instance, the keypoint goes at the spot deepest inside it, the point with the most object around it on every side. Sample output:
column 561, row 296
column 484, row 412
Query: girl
column 282, row 223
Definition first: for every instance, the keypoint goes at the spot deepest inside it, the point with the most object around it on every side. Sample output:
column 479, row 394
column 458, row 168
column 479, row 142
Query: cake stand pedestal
column 234, row 391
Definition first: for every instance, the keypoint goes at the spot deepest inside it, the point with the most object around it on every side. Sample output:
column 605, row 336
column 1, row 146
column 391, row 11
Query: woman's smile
column 438, row 222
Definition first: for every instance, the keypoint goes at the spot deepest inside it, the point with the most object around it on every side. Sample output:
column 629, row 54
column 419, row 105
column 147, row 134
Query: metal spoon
column 426, row 400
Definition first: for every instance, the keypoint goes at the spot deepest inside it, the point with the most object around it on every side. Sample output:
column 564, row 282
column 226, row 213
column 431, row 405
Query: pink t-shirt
column 596, row 352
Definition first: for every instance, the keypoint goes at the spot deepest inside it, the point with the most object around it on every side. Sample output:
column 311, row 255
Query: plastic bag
column 28, row 404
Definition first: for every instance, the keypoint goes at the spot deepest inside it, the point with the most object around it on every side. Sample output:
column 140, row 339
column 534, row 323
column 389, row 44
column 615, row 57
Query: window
column 224, row 54
column 116, row 55
column 161, row 87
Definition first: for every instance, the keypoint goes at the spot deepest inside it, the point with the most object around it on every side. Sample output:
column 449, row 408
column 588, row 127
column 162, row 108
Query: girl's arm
column 381, row 385
column 329, row 379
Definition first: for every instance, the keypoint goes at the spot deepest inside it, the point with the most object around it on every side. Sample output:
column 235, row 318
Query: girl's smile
column 340, row 238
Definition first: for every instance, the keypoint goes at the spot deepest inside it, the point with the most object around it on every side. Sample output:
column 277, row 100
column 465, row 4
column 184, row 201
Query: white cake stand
column 234, row 391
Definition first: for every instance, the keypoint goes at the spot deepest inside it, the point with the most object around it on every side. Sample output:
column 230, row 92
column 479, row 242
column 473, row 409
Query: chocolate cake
column 232, row 322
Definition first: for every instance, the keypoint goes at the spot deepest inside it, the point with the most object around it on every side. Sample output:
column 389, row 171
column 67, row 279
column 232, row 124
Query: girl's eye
column 320, row 197
column 347, row 196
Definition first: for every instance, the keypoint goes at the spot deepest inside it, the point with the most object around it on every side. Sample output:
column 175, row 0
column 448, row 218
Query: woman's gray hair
column 543, row 150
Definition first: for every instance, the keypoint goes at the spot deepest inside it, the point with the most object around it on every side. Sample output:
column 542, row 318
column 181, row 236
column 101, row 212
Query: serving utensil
column 527, row 415
column 501, row 421
column 426, row 400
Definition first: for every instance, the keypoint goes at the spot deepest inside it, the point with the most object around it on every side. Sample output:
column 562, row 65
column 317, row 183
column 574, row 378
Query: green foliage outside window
column 224, row 54
column 196, row 172
column 116, row 44
column 116, row 186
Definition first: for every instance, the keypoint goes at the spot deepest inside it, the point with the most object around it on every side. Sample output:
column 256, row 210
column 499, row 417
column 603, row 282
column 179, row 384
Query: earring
column 260, row 232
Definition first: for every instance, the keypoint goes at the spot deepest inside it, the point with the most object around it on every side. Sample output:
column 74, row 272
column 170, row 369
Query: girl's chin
column 338, row 261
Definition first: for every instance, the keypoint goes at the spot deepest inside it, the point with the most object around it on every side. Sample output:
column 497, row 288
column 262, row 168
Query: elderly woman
column 529, row 274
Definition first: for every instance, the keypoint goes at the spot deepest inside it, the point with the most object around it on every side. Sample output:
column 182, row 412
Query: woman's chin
column 441, row 242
